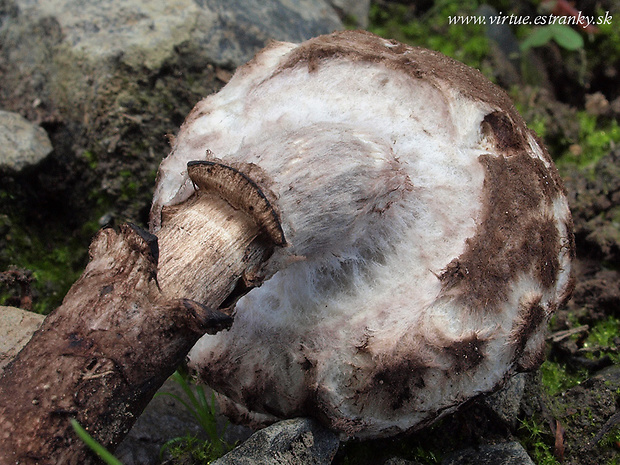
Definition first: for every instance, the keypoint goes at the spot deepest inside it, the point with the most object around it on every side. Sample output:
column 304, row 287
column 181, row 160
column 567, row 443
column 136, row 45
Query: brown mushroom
column 427, row 235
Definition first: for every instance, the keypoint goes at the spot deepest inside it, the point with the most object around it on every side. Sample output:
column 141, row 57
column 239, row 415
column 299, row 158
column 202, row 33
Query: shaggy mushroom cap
column 428, row 237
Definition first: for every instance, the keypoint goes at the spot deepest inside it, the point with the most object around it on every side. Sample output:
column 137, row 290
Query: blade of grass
column 208, row 413
column 97, row 448
column 186, row 388
column 203, row 411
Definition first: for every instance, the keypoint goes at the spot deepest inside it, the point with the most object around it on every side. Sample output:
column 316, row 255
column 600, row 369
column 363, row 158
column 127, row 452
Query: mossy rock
column 110, row 82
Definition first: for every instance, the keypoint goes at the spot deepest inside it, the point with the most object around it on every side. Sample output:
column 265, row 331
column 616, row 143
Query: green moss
column 90, row 158
column 464, row 42
column 37, row 240
column 592, row 138
column 597, row 137
column 56, row 263
column 539, row 126
column 604, row 332
column 424, row 456
column 190, row 449
column 602, row 337
column 537, row 440
column 612, row 440
column 556, row 378
column 204, row 411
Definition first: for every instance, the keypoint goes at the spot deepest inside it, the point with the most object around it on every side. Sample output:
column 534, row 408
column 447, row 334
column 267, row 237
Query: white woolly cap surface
column 429, row 239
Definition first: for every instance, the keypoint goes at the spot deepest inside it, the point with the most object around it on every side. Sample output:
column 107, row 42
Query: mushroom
column 426, row 235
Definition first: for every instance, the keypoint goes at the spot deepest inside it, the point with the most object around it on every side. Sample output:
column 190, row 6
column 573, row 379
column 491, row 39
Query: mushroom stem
column 206, row 248
column 124, row 327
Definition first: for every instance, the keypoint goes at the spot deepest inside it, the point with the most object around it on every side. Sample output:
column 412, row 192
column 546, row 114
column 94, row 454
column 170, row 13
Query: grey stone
column 300, row 441
column 353, row 10
column 610, row 376
column 509, row 453
column 507, row 401
column 16, row 328
column 22, row 143
column 113, row 77
column 145, row 33
column 242, row 27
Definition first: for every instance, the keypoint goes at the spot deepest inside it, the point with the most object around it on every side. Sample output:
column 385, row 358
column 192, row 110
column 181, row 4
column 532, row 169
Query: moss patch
column 433, row 29
column 55, row 259
column 556, row 378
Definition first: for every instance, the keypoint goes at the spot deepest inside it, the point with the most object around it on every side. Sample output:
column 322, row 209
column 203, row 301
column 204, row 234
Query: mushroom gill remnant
column 428, row 237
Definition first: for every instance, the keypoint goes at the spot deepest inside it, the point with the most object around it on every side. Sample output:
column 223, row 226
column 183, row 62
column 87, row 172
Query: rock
column 509, row 453
column 16, row 328
column 610, row 377
column 22, row 144
column 353, row 11
column 144, row 33
column 507, row 401
column 299, row 441
column 165, row 418
column 112, row 78
column 503, row 48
